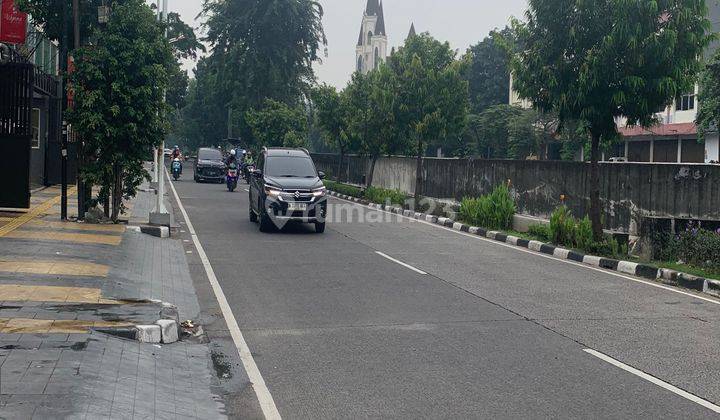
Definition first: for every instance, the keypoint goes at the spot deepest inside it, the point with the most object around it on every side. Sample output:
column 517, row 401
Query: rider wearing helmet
column 176, row 153
column 232, row 158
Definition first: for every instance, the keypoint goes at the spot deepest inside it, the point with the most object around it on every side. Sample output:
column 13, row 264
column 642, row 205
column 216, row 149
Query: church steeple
column 372, row 8
column 380, row 26
column 372, row 46
column 412, row 30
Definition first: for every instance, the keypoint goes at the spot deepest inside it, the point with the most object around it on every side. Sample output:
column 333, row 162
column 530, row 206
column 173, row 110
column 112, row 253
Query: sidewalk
column 60, row 285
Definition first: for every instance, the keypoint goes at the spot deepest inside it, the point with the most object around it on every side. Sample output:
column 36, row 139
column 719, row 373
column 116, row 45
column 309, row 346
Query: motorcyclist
column 176, row 154
column 232, row 158
column 249, row 160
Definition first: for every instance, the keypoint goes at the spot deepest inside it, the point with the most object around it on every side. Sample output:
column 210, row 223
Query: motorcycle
column 176, row 168
column 232, row 177
column 247, row 172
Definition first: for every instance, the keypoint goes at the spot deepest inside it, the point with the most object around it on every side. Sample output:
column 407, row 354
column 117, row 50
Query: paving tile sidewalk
column 69, row 280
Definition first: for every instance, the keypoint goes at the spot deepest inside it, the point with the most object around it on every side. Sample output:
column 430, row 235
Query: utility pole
column 160, row 215
column 81, row 193
column 63, row 103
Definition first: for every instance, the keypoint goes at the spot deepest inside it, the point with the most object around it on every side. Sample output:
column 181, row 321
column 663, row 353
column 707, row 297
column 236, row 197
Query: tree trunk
column 419, row 173
column 106, row 203
column 595, row 209
column 116, row 192
column 371, row 174
column 339, row 175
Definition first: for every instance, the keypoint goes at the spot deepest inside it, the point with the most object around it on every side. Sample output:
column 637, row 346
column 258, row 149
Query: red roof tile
column 682, row 129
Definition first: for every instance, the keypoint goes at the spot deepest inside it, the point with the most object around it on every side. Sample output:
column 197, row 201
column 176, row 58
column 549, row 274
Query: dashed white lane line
column 654, row 380
column 246, row 190
column 267, row 404
column 401, row 263
column 537, row 254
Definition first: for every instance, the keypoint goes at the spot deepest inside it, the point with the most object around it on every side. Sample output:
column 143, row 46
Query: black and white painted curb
column 663, row 275
column 156, row 231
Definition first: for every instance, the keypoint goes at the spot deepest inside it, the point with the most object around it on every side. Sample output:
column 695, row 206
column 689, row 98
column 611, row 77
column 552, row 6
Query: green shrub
column 493, row 211
column 541, row 232
column 346, row 189
column 562, row 226
column 566, row 230
column 383, row 196
column 584, row 234
column 700, row 247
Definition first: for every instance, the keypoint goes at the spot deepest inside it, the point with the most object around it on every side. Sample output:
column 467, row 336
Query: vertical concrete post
column 679, row 150
column 652, row 150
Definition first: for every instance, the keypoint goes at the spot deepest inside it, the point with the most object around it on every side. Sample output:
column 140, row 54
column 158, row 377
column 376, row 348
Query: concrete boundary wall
column 630, row 191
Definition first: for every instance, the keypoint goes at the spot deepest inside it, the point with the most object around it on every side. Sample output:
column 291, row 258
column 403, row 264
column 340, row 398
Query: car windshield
column 209, row 154
column 290, row 167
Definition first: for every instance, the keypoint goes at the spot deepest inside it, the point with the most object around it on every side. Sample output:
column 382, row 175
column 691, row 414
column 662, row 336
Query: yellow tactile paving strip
column 53, row 326
column 32, row 214
column 25, row 293
column 76, row 226
column 66, row 268
column 83, row 238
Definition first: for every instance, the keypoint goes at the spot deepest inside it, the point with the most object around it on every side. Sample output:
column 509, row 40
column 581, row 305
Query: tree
column 119, row 89
column 708, row 118
column 595, row 61
column 331, row 117
column 488, row 75
column 432, row 95
column 48, row 14
column 278, row 125
column 490, row 130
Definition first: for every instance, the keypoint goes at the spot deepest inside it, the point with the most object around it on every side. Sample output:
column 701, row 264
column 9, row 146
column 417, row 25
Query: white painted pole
column 160, row 215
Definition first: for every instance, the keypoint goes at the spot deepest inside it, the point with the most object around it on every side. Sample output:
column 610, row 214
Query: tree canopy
column 489, row 72
column 708, row 118
column 258, row 51
column 595, row 61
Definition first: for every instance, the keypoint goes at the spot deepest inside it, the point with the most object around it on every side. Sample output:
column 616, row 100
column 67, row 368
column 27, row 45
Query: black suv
column 286, row 187
column 209, row 165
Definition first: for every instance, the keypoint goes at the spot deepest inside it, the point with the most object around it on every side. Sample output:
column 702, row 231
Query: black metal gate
column 16, row 95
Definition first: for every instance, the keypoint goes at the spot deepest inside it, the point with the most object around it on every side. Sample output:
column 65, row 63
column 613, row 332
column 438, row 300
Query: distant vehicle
column 232, row 177
column 286, row 187
column 176, row 168
column 209, row 165
column 168, row 152
column 618, row 160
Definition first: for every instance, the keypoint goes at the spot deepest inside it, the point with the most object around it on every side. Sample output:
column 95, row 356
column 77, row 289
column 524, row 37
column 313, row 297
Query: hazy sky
column 461, row 22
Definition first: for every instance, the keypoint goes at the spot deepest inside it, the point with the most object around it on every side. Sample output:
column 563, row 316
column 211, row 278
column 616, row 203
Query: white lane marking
column 401, row 263
column 550, row 257
column 654, row 380
column 267, row 404
column 246, row 190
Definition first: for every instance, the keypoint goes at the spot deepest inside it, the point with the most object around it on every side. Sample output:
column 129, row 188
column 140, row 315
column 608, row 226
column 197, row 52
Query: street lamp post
column 160, row 215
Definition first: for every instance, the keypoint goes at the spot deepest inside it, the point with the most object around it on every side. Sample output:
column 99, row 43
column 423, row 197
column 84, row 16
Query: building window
column 360, row 64
column 35, row 141
column 377, row 58
column 685, row 103
column 370, row 34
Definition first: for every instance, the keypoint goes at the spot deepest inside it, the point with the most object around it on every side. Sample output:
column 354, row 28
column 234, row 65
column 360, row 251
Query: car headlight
column 320, row 192
column 272, row 191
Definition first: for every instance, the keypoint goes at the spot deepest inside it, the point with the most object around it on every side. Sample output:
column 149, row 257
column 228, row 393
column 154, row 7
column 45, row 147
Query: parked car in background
column 209, row 165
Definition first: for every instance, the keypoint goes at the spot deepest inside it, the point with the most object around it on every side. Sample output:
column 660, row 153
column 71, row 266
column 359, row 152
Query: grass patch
column 383, row 196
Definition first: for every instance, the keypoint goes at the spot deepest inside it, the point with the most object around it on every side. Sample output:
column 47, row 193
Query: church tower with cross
column 372, row 46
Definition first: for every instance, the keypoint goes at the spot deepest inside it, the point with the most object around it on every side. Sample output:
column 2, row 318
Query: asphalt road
column 490, row 331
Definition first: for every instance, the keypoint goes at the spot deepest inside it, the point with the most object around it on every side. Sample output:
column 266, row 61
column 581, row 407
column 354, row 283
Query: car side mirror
column 257, row 173
column 321, row 174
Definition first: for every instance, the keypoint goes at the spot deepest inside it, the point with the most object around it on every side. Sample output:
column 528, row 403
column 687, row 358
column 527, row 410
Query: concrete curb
column 662, row 275
column 156, row 231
